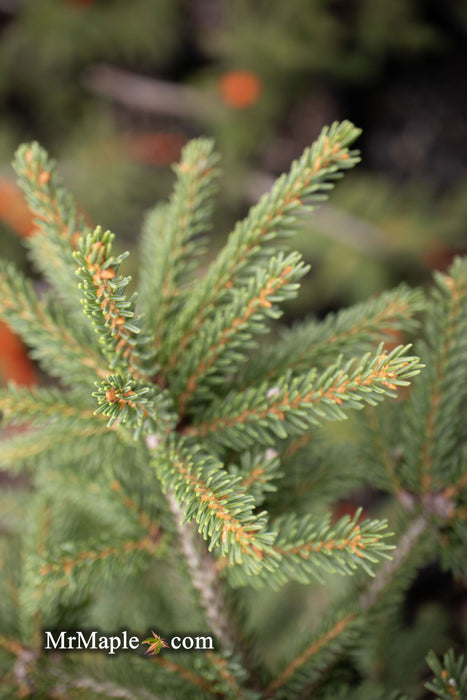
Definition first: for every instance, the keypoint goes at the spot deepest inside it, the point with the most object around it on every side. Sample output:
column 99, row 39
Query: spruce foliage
column 178, row 463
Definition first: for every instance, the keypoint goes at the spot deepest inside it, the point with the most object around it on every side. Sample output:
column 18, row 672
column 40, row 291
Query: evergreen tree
column 177, row 475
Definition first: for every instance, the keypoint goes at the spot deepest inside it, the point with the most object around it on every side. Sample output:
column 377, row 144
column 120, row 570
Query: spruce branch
column 325, row 645
column 58, row 222
column 47, row 198
column 435, row 412
column 141, row 509
column 150, row 281
column 348, row 332
column 213, row 498
column 258, row 471
column 307, row 669
column 136, row 533
column 40, row 405
column 296, row 404
column 380, row 451
column 55, row 442
column 112, row 314
column 273, row 218
column 186, row 674
column 173, row 235
column 53, row 257
column 126, row 400
column 121, row 557
column 316, row 473
column 230, row 437
column 63, row 351
column 307, row 547
column 224, row 339
column 450, row 681
column 230, row 676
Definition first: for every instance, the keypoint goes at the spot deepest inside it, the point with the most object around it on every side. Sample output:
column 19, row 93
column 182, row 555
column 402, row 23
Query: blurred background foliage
column 113, row 89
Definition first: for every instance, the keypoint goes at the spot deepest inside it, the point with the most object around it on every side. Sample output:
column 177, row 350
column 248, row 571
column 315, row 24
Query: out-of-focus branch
column 10, row 6
column 146, row 94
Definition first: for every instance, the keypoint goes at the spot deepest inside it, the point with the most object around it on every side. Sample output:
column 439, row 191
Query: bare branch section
column 146, row 94
column 205, row 578
column 10, row 7
column 386, row 573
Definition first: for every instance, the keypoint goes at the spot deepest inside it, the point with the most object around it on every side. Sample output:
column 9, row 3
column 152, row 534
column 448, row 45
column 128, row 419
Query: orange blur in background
column 240, row 88
column 13, row 209
column 15, row 364
column 154, row 148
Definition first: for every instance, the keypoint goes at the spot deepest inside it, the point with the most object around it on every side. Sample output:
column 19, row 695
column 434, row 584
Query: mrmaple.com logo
column 94, row 640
